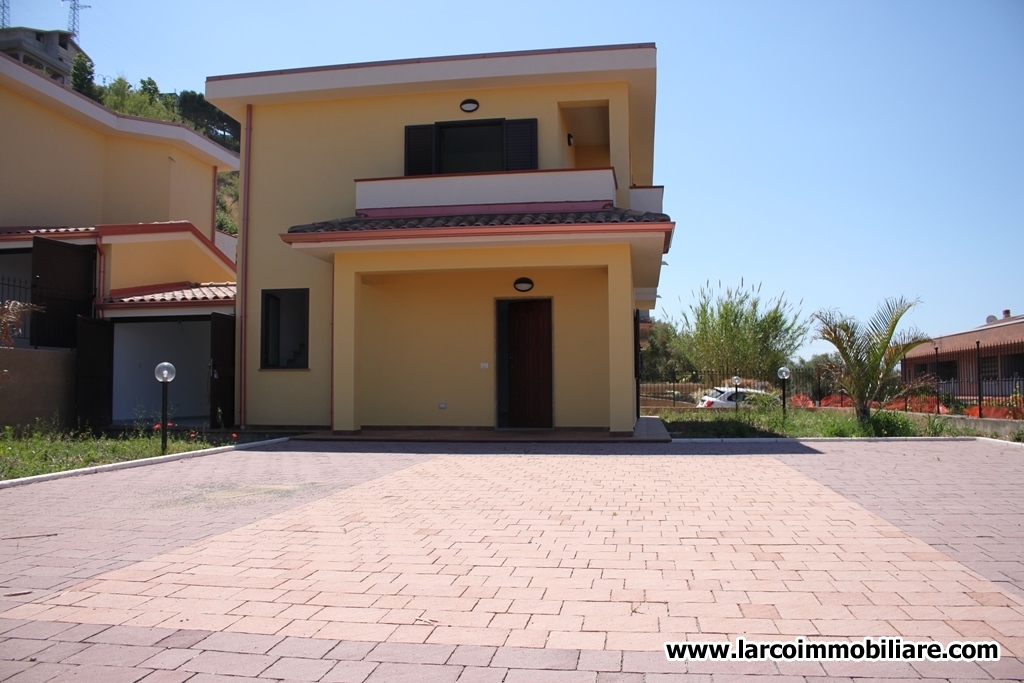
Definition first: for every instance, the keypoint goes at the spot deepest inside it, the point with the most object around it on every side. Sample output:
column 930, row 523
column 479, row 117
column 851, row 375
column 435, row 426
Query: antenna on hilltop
column 5, row 13
column 76, row 6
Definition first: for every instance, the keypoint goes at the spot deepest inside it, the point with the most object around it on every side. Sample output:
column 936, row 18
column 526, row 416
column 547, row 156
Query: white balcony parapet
column 647, row 198
column 515, row 187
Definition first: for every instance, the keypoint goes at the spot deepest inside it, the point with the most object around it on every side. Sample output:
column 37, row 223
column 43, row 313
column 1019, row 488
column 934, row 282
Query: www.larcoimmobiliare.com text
column 888, row 649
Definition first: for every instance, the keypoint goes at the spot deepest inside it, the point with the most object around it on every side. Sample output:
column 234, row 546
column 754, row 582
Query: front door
column 524, row 364
column 222, row 370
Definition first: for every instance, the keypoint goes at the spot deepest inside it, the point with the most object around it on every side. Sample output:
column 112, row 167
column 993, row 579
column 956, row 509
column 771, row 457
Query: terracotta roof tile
column 603, row 216
column 207, row 291
column 37, row 230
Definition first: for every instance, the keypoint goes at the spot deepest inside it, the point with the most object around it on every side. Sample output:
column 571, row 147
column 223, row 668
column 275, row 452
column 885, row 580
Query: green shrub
column 1017, row 436
column 890, row 423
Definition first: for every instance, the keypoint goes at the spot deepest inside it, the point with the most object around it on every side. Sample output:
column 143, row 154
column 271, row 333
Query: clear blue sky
column 840, row 152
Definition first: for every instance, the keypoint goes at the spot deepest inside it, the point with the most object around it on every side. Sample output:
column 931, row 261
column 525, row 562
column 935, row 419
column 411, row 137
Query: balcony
column 377, row 197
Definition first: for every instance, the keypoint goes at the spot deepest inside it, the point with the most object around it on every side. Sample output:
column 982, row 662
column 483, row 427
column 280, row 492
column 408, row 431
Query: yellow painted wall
column 57, row 171
column 138, row 182
column 192, row 194
column 135, row 264
column 52, row 170
column 424, row 336
column 592, row 157
column 305, row 157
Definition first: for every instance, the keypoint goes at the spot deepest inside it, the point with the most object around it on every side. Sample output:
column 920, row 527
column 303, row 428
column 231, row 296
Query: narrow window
column 285, row 329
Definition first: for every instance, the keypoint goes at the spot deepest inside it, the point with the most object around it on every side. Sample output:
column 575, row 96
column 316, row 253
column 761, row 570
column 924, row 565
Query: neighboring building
column 448, row 242
column 52, row 52
column 993, row 351
column 99, row 214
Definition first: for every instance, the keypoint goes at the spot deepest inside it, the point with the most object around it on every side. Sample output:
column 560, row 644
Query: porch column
column 621, row 386
column 344, row 389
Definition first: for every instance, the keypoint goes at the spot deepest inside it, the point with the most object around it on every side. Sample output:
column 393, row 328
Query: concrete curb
column 141, row 462
column 828, row 439
column 1015, row 444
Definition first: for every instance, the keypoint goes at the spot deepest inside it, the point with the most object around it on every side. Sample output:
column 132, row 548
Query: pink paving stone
column 410, row 653
column 239, row 642
column 113, row 655
column 476, row 674
column 294, row 668
column 168, row 677
column 610, row 660
column 350, row 650
column 228, row 663
column 542, row 676
column 608, row 677
column 17, row 648
column 472, row 655
column 532, row 658
column 387, row 672
column 349, row 672
column 58, row 652
column 170, row 658
column 38, row 630
column 100, row 674
column 310, row 648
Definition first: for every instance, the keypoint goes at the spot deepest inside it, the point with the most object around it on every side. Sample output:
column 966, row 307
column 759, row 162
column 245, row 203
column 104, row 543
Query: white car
column 725, row 397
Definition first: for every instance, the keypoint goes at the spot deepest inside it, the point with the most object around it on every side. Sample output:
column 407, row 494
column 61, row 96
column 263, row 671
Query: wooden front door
column 525, row 365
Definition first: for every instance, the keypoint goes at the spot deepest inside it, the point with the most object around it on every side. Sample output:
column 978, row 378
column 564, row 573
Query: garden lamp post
column 164, row 374
column 784, row 375
column 736, row 394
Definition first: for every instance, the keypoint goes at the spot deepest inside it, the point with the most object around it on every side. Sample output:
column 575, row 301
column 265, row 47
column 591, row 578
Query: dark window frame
column 425, row 140
column 284, row 316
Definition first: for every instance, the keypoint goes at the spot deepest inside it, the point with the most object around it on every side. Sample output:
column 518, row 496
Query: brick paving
column 524, row 562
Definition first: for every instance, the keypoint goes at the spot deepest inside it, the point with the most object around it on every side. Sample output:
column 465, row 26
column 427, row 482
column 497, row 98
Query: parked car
column 726, row 397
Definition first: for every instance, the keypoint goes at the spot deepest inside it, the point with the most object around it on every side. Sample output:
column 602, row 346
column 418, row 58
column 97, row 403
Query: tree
column 661, row 360
column 123, row 98
column 869, row 353
column 737, row 331
column 208, row 119
column 227, row 202
column 83, row 77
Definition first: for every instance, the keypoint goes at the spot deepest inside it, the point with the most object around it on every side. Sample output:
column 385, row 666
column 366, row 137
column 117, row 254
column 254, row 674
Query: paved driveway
column 512, row 563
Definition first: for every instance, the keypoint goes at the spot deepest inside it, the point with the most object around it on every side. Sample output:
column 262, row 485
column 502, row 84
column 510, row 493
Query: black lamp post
column 164, row 374
column 736, row 394
column 784, row 375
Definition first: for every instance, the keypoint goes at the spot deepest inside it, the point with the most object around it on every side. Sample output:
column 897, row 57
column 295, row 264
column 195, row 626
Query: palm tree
column 869, row 352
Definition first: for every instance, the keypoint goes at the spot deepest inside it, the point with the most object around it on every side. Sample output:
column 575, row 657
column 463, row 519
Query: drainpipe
column 101, row 281
column 213, row 210
column 243, row 271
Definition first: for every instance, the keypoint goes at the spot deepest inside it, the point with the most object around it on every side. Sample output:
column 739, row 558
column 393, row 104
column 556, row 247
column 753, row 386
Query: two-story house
column 459, row 242
column 107, row 222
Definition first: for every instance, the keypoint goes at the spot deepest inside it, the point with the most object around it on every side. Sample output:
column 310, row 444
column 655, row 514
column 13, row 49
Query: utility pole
column 5, row 13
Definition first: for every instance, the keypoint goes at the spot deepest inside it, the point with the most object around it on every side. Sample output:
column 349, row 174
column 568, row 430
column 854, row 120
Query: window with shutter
column 479, row 146
column 419, row 150
column 521, row 145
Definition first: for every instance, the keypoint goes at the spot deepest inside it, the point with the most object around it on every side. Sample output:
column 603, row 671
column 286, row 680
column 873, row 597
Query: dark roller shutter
column 419, row 150
column 94, row 384
column 521, row 144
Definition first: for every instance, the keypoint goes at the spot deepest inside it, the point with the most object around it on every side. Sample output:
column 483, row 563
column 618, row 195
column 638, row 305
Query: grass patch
column 769, row 422
column 42, row 450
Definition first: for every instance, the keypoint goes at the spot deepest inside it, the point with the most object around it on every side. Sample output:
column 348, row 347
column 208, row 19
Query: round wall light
column 469, row 105
column 523, row 284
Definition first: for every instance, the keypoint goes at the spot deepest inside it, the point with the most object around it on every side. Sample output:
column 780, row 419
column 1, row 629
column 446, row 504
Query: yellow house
column 461, row 242
column 111, row 218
